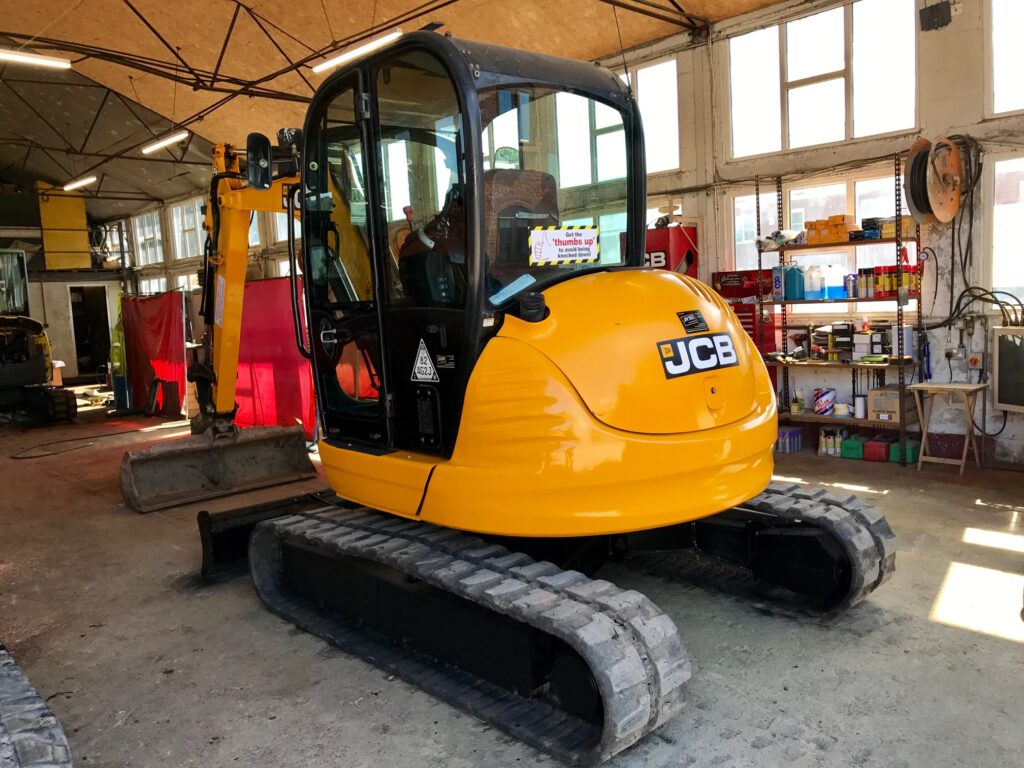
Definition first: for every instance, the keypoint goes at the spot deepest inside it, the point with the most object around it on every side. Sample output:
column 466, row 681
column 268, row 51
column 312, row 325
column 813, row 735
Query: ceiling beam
column 22, row 142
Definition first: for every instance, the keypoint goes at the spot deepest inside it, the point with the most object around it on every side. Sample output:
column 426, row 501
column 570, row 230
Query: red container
column 877, row 448
column 741, row 284
column 672, row 248
column 747, row 314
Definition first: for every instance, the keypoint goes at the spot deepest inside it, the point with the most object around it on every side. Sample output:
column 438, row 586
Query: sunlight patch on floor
column 981, row 600
column 843, row 486
column 1011, row 542
column 859, row 488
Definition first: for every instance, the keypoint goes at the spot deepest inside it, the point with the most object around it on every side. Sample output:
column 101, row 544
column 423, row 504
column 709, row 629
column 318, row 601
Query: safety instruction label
column 423, row 368
column 218, row 307
column 553, row 246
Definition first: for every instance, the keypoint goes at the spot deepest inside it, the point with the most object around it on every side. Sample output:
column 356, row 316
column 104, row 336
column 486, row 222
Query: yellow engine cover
column 622, row 410
column 605, row 336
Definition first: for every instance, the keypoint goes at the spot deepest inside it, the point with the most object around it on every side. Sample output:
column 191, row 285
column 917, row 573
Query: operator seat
column 515, row 201
column 432, row 260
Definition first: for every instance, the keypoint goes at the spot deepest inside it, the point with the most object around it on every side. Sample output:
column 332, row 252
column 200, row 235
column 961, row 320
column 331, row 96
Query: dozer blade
column 205, row 466
column 224, row 535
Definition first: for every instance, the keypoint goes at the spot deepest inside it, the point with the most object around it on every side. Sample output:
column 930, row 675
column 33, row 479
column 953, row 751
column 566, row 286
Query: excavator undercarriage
column 522, row 633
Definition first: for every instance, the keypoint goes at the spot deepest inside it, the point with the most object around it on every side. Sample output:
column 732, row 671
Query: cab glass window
column 555, row 187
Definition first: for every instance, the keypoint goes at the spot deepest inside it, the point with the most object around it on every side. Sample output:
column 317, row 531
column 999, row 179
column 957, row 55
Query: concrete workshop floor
column 147, row 666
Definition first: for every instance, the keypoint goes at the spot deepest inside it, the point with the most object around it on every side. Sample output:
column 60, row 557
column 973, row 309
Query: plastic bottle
column 814, row 283
column 834, row 282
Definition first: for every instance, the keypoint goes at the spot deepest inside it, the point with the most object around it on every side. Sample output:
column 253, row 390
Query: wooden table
column 924, row 412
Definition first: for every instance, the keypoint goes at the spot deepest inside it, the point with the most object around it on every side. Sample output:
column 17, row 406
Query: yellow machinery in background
column 508, row 400
column 219, row 458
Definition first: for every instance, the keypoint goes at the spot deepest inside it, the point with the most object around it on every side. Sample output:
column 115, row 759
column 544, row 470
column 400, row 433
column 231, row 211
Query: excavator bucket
column 206, row 465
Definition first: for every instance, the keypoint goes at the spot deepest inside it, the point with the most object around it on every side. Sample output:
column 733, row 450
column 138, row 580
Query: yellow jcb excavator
column 507, row 399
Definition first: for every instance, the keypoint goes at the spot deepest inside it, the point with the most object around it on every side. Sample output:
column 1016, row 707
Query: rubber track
column 30, row 736
column 861, row 529
column 633, row 649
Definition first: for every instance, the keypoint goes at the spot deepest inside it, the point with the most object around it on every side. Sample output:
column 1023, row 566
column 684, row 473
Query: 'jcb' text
column 694, row 354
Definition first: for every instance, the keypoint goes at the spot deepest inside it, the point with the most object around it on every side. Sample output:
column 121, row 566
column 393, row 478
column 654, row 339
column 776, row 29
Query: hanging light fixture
column 33, row 59
column 358, row 51
column 77, row 183
column 166, row 141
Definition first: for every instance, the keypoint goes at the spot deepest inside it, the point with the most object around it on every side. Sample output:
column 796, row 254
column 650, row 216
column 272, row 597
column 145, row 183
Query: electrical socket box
column 935, row 16
column 956, row 7
column 974, row 361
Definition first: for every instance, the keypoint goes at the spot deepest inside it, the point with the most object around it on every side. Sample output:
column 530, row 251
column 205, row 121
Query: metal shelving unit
column 862, row 374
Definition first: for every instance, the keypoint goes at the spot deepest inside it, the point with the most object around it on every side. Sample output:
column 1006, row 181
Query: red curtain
column 154, row 338
column 275, row 384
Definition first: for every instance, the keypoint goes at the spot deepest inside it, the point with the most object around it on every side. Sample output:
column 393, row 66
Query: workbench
column 924, row 411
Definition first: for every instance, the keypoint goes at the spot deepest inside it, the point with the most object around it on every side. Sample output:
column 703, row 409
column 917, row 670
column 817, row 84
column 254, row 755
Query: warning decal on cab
column 423, row 368
column 554, row 246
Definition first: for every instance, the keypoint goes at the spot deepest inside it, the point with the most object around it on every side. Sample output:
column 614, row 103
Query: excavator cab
column 426, row 171
column 472, row 218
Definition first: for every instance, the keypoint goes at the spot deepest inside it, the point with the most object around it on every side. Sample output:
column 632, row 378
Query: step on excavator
column 508, row 400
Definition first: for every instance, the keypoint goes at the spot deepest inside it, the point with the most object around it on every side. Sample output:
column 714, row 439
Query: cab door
column 422, row 218
column 341, row 278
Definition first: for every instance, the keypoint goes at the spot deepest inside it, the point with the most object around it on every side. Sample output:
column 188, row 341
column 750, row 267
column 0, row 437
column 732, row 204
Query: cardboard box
column 883, row 405
column 813, row 236
column 844, row 221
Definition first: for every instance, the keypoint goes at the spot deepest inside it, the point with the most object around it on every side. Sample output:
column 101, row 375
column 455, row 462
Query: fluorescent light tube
column 33, row 59
column 353, row 53
column 166, row 141
column 79, row 183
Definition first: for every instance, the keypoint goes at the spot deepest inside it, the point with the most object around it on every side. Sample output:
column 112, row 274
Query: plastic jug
column 794, row 282
column 834, row 288
column 814, row 283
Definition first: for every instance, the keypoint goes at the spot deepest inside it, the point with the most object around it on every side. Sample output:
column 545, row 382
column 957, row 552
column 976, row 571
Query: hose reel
column 932, row 180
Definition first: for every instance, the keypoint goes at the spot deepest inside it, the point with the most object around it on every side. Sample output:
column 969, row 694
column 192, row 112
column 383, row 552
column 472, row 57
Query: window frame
column 983, row 273
column 197, row 204
column 146, row 279
column 770, row 258
column 296, row 223
column 785, row 87
column 141, row 243
column 990, row 69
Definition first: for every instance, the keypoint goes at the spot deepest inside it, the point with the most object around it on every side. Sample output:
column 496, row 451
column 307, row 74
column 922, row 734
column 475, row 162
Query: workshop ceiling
column 199, row 62
column 58, row 125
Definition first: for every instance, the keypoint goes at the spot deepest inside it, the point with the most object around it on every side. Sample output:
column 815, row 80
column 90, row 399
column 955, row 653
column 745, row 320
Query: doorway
column 91, row 327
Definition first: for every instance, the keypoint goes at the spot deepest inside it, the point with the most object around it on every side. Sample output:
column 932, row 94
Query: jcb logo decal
column 694, row 354
column 657, row 259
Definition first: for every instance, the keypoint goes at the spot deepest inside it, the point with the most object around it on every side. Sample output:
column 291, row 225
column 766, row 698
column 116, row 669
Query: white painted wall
column 951, row 97
column 50, row 304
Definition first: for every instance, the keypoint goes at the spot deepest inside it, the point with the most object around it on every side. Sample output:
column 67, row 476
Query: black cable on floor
column 19, row 456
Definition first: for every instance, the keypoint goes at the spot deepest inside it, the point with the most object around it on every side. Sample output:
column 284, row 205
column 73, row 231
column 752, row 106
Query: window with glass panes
column 187, row 223
column 863, row 197
column 149, row 248
column 152, row 285
column 821, row 79
column 1006, row 19
column 1007, row 270
column 657, row 95
column 254, row 229
column 281, row 227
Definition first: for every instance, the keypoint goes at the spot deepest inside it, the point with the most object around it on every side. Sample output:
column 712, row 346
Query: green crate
column 913, row 451
column 853, row 447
